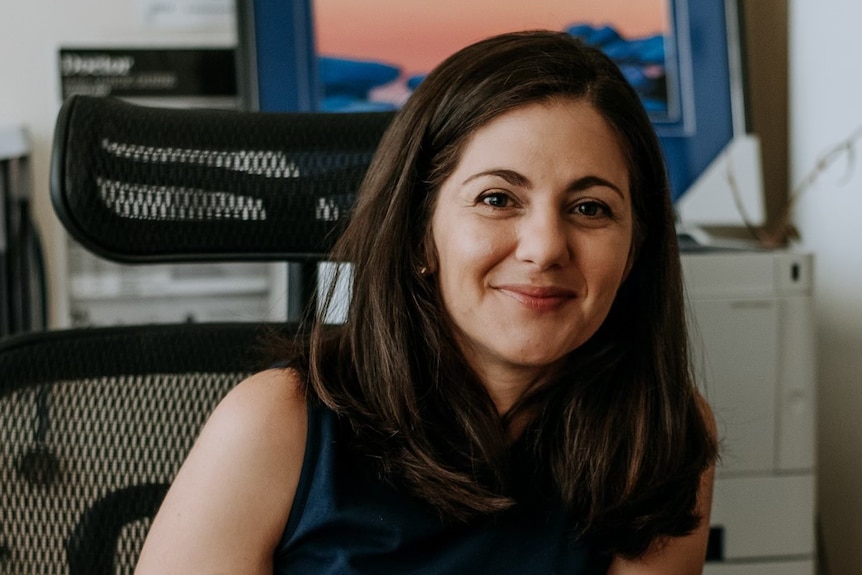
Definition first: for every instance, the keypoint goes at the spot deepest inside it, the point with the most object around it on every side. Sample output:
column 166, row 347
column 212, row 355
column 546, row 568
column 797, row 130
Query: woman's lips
column 538, row 297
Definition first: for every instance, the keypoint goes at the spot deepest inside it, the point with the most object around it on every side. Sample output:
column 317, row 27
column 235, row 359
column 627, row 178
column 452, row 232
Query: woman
column 511, row 391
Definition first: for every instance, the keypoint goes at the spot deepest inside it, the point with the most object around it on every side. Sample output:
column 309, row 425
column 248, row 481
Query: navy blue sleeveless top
column 346, row 522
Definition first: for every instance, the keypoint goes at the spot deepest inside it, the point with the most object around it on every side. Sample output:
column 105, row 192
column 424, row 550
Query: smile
column 538, row 298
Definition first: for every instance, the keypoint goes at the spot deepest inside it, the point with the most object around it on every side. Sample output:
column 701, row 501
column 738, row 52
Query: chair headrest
column 139, row 184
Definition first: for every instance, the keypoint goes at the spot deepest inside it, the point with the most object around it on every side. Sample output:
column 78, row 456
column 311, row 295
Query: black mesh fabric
column 94, row 424
column 137, row 183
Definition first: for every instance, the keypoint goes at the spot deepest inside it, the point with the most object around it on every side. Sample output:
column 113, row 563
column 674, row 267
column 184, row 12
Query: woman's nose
column 542, row 239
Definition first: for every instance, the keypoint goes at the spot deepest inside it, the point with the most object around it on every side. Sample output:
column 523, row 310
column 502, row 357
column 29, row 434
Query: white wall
column 825, row 108
column 31, row 32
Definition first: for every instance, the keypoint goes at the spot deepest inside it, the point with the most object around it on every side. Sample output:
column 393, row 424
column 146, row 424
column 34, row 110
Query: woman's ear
column 428, row 266
column 428, row 254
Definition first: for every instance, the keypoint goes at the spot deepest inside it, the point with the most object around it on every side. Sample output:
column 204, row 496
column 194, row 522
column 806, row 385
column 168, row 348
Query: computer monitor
column 683, row 56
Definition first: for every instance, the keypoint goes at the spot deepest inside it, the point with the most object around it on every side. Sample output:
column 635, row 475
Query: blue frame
column 703, row 46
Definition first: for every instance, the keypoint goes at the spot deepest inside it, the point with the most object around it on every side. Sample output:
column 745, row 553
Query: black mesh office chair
column 95, row 422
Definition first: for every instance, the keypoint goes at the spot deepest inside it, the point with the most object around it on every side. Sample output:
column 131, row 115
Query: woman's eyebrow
column 511, row 176
column 593, row 181
column 518, row 179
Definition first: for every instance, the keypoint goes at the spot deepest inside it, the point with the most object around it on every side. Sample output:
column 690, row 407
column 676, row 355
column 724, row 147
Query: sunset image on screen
column 373, row 53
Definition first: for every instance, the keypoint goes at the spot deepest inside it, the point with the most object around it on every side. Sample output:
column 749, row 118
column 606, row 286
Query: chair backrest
column 94, row 423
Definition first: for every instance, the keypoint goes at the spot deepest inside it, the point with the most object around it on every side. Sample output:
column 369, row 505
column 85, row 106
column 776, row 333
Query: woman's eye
column 496, row 200
column 591, row 209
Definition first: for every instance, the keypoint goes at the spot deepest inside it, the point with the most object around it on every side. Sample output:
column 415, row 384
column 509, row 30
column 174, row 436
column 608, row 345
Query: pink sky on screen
column 417, row 34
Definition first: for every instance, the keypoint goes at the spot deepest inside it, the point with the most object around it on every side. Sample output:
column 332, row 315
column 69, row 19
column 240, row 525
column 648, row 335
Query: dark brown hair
column 618, row 437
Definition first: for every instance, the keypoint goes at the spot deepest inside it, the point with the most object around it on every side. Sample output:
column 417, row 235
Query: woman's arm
column 678, row 555
column 230, row 501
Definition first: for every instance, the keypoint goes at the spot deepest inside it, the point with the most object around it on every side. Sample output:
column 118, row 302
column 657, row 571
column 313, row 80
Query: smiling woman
column 533, row 235
column 510, row 392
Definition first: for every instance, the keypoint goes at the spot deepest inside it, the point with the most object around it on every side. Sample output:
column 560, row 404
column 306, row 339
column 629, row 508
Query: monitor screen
column 343, row 56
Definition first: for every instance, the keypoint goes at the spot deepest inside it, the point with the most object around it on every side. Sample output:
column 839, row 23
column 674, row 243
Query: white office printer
column 753, row 350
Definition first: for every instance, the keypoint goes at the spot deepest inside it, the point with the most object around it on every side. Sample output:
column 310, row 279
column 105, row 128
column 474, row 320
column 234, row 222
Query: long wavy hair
column 617, row 437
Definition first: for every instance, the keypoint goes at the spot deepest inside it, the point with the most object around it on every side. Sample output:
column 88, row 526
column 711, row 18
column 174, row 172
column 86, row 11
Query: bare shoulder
column 274, row 397
column 263, row 415
column 228, row 505
column 707, row 414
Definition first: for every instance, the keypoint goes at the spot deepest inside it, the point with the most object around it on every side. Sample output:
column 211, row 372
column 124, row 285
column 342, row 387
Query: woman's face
column 532, row 233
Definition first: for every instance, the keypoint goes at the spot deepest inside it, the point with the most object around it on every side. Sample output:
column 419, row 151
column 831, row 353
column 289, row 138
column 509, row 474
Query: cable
column 783, row 228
